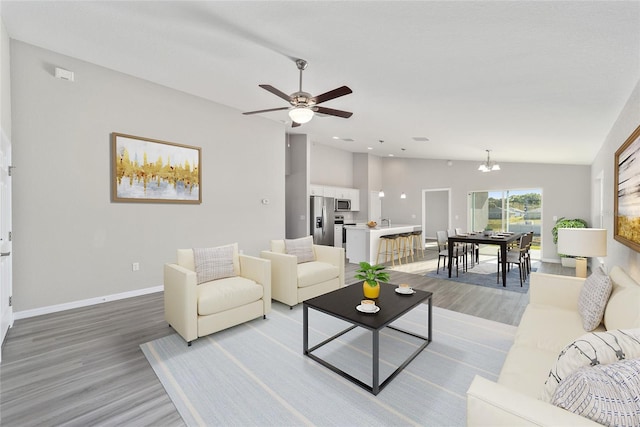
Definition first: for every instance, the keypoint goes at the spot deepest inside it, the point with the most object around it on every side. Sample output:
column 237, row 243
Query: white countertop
column 394, row 227
column 362, row 240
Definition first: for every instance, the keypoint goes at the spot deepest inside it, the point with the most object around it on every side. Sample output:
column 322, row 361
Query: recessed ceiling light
column 369, row 148
column 336, row 137
column 420, row 138
column 390, row 155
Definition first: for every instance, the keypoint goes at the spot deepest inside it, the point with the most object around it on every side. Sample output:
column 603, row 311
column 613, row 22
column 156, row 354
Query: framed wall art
column 152, row 171
column 626, row 209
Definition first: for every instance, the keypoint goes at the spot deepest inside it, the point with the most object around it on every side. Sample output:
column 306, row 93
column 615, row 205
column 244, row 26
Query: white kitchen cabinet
column 316, row 190
column 354, row 196
column 329, row 192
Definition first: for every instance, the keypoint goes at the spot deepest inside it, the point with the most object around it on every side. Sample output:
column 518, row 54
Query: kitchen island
column 362, row 241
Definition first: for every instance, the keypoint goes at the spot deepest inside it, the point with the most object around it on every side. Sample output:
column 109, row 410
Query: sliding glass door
column 518, row 211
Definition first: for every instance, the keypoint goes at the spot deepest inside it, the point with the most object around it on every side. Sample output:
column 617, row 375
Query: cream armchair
column 294, row 282
column 195, row 309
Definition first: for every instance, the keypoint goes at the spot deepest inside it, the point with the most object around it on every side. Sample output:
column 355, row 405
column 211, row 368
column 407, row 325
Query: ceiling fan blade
column 276, row 92
column 295, row 124
column 266, row 111
column 332, row 112
column 332, row 94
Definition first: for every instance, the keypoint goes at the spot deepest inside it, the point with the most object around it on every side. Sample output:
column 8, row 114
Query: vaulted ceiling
column 534, row 81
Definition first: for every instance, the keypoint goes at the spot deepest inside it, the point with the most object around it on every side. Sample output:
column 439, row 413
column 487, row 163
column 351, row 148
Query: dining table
column 500, row 239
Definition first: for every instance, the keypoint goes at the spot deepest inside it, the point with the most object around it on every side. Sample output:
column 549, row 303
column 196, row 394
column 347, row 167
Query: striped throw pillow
column 593, row 299
column 213, row 263
column 592, row 349
column 606, row 394
column 302, row 248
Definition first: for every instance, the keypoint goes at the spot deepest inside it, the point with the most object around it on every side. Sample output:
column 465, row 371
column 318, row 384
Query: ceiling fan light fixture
column 301, row 114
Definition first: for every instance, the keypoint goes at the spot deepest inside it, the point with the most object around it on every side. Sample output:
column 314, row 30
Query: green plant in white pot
column 567, row 260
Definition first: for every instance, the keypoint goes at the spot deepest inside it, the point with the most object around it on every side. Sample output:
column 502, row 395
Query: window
column 518, row 211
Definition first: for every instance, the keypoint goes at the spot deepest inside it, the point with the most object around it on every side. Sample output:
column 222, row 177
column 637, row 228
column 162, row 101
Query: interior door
column 6, row 311
column 436, row 207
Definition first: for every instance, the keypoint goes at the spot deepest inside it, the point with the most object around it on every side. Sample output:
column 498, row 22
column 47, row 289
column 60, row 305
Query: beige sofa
column 195, row 310
column 550, row 322
column 292, row 283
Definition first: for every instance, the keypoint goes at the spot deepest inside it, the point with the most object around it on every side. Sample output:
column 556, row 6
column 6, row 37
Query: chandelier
column 489, row 166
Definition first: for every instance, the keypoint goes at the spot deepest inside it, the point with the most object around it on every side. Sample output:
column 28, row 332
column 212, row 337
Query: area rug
column 485, row 274
column 255, row 373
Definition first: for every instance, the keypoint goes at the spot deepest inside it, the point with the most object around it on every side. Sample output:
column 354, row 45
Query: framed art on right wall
column 626, row 211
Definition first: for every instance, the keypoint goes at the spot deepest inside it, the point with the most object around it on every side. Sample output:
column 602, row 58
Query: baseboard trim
column 24, row 314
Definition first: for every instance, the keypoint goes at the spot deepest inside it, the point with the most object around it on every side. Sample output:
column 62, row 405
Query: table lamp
column 582, row 243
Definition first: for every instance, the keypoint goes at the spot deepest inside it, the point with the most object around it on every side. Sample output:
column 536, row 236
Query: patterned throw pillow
column 302, row 248
column 213, row 263
column 606, row 394
column 594, row 348
column 593, row 299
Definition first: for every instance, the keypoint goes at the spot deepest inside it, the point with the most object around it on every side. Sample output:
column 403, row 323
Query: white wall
column 626, row 123
column 5, row 81
column 70, row 241
column 330, row 166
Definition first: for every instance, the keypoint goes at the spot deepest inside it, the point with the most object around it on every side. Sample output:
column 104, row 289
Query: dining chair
column 463, row 248
column 517, row 255
column 473, row 248
column 443, row 251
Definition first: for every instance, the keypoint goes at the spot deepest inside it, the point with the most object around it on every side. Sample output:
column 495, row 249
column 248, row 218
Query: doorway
column 6, row 310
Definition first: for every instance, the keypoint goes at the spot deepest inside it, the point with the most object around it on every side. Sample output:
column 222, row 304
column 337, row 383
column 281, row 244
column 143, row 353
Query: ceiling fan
column 303, row 105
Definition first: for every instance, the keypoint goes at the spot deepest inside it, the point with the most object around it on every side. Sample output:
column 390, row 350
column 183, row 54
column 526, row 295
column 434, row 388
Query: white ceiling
column 533, row 81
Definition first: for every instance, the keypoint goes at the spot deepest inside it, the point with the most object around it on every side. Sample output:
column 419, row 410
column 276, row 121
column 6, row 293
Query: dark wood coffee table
column 342, row 305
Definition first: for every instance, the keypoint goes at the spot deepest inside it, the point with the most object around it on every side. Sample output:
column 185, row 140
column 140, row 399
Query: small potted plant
column 567, row 261
column 372, row 276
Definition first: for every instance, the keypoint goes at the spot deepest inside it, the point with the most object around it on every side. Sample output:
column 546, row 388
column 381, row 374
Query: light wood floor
column 84, row 367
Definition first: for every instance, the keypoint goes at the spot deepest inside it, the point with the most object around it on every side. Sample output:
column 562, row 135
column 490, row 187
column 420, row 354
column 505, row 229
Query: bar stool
column 406, row 243
column 417, row 239
column 392, row 239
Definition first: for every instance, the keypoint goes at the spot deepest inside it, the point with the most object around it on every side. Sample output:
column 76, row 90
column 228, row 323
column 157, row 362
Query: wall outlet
column 135, row 266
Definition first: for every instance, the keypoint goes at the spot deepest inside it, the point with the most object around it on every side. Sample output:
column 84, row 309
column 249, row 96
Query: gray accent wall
column 71, row 242
column 297, row 195
column 566, row 189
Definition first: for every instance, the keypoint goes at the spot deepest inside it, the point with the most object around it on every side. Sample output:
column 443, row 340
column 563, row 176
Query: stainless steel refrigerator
column 322, row 213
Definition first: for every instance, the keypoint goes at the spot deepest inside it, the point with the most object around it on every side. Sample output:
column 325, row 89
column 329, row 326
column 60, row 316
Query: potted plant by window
column 372, row 276
column 567, row 260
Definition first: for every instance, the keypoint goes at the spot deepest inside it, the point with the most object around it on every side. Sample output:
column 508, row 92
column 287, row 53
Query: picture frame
column 146, row 170
column 626, row 211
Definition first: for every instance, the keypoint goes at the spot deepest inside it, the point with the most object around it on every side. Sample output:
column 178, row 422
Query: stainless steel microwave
column 343, row 205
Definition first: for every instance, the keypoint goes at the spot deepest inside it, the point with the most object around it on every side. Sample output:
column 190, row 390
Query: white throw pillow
column 606, row 394
column 214, row 263
column 593, row 299
column 594, row 348
column 302, row 248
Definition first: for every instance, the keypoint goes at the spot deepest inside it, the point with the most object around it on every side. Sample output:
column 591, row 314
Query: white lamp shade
column 582, row 242
column 301, row 115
